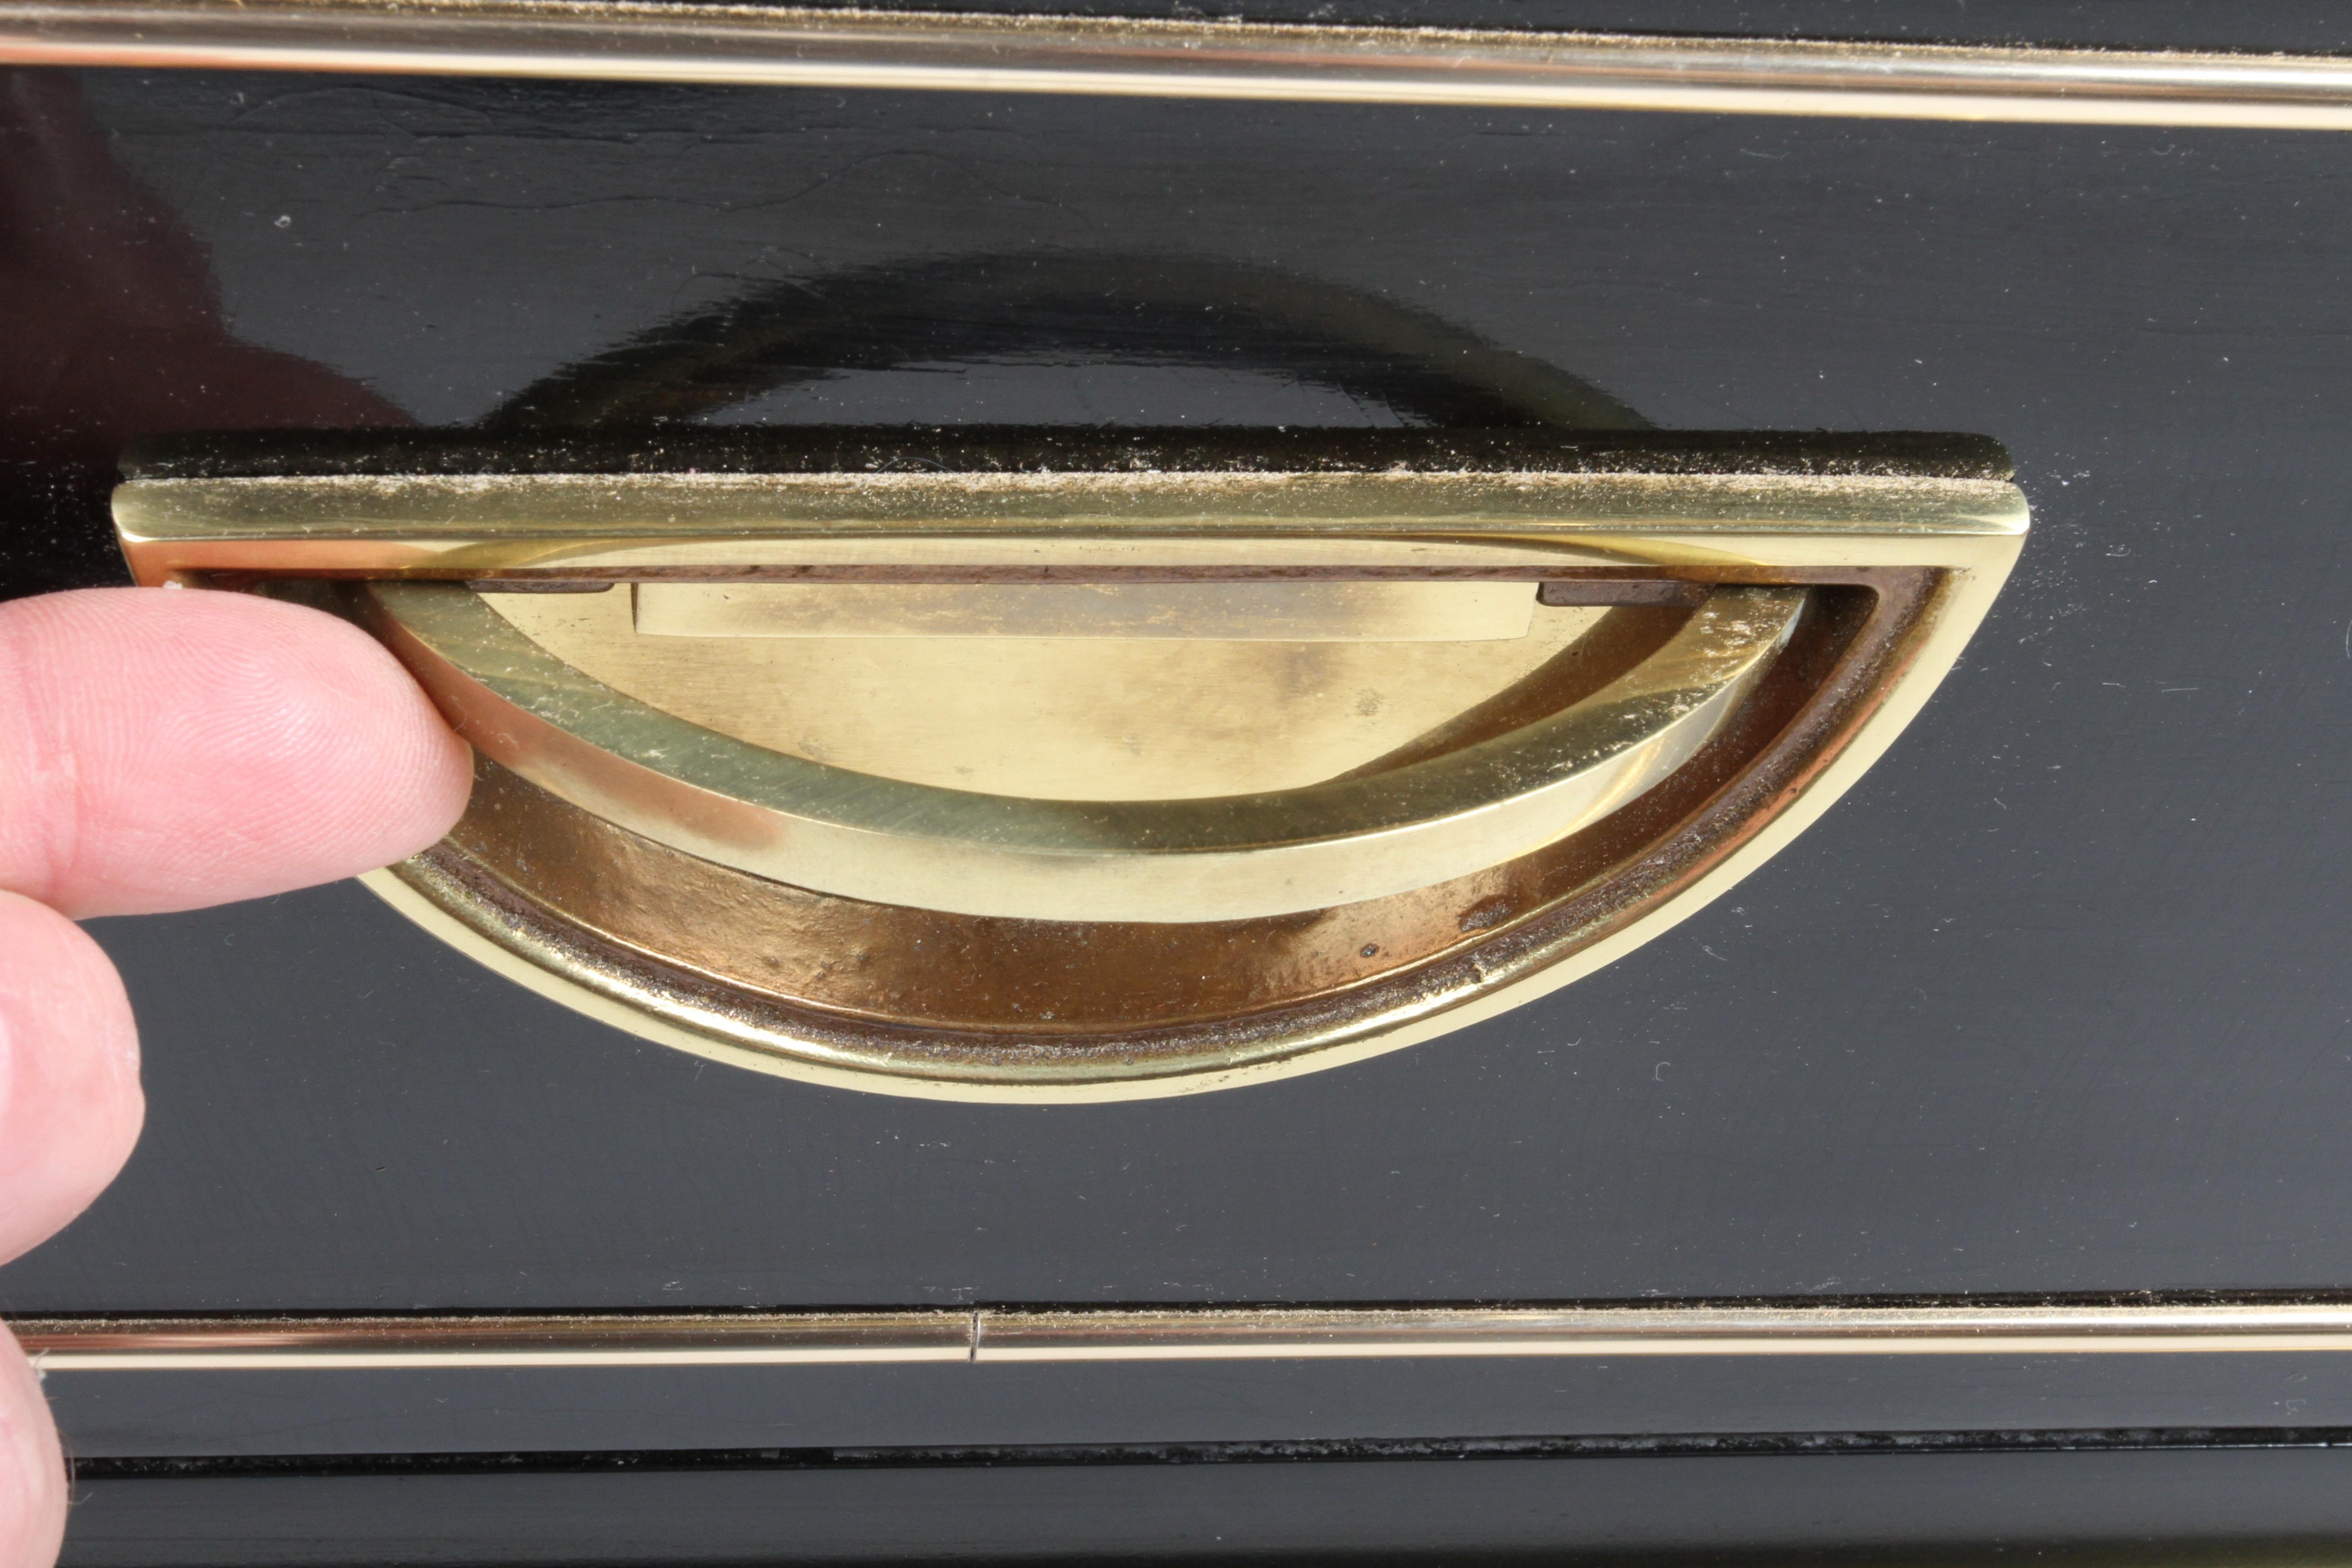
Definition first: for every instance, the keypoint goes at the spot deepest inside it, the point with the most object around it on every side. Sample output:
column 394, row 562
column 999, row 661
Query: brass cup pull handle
column 1052, row 767
column 890, row 841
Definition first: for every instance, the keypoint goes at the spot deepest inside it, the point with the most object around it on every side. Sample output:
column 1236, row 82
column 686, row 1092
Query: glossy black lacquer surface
column 2053, row 1002
column 2246, row 1509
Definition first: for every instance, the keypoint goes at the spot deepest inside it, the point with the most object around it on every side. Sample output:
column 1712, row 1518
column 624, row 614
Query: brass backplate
column 1036, row 770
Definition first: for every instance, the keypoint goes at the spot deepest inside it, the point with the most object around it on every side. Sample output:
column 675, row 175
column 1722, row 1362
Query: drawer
column 1986, row 1136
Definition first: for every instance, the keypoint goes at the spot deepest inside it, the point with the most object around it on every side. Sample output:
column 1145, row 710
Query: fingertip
column 32, row 1467
column 187, row 748
column 69, row 1113
column 70, row 1104
column 322, row 717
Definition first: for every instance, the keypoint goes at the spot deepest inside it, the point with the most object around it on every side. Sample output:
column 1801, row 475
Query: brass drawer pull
column 985, row 777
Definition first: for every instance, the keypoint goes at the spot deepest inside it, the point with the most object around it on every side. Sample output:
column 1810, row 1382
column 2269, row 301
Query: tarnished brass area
column 992, row 848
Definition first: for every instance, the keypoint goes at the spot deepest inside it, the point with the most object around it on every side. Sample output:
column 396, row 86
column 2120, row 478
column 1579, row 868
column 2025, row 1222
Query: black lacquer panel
column 2053, row 1001
column 2078, row 1508
column 2056, row 1000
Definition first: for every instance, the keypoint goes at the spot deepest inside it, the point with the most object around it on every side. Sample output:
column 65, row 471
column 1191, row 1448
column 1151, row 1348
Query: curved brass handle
column 1442, row 830
column 890, row 841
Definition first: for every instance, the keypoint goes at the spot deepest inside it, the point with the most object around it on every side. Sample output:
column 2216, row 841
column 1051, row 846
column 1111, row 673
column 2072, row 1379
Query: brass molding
column 454, row 1340
column 784, row 47
column 1254, row 1333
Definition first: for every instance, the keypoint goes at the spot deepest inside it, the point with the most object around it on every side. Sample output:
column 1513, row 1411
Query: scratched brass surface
column 702, row 526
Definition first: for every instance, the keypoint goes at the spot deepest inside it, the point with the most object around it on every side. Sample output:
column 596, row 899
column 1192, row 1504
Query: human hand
column 162, row 751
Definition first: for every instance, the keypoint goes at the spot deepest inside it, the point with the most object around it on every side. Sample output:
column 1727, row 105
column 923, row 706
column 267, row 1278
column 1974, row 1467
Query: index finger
column 163, row 750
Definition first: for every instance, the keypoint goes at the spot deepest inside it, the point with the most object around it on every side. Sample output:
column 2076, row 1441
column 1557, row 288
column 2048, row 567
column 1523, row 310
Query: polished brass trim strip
column 286, row 1343
column 293, row 1343
column 1661, row 1331
column 829, row 48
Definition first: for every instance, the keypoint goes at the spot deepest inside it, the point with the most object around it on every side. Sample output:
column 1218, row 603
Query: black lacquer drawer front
column 2072, row 940
column 2051, row 1005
